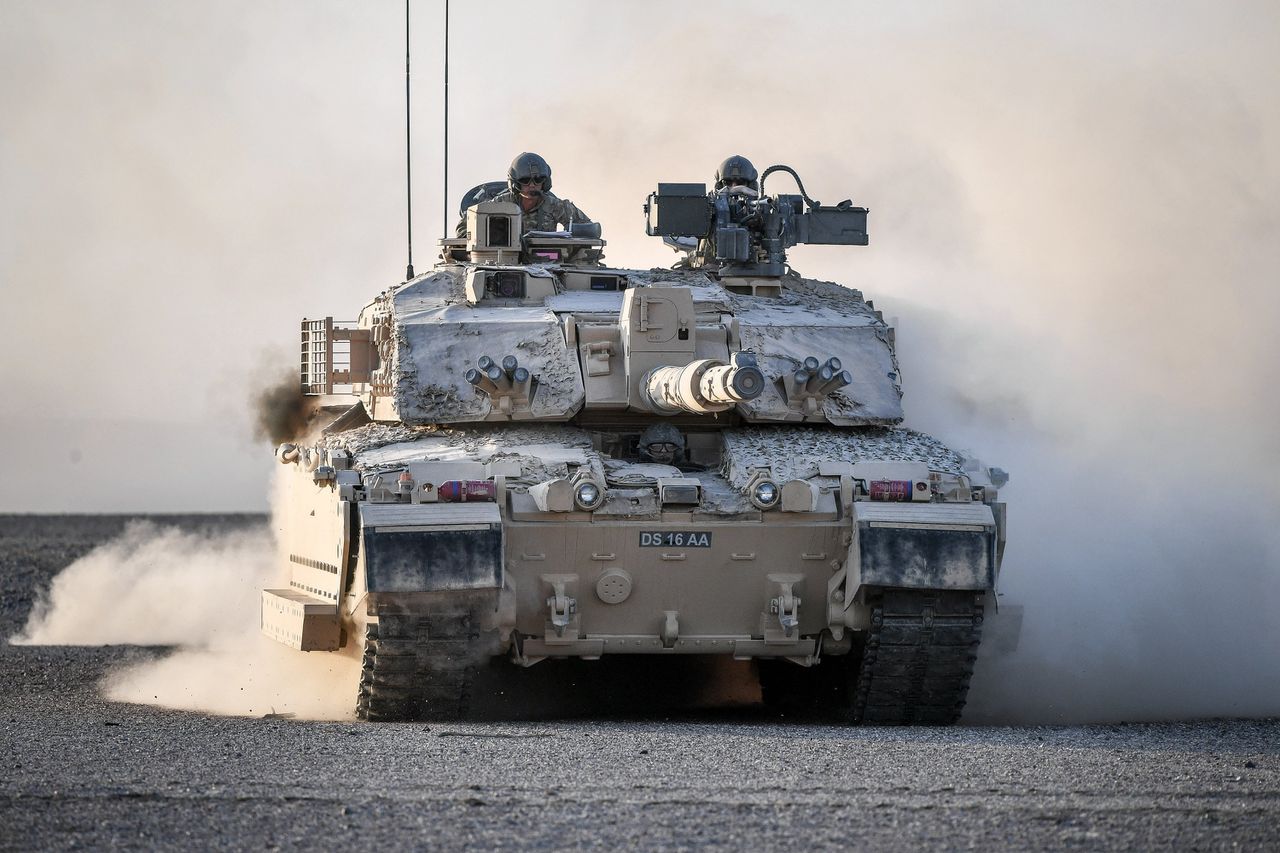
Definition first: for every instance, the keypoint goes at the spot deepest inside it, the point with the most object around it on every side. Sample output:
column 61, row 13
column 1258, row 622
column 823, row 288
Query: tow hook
column 562, row 608
column 787, row 608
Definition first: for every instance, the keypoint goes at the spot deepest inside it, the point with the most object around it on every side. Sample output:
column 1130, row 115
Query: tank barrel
column 731, row 383
column 700, row 387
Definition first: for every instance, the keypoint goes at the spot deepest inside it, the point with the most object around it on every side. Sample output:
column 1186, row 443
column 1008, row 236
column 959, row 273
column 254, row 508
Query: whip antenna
column 445, row 197
column 408, row 149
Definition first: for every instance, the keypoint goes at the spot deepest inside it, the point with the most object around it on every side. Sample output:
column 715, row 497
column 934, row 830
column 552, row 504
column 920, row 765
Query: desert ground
column 79, row 771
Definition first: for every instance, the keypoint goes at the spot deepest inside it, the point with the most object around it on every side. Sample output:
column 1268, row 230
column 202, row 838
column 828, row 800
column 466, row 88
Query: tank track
column 918, row 658
column 419, row 666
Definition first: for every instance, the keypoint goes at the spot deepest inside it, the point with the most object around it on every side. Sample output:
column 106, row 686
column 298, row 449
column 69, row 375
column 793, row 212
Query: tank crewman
column 662, row 443
column 737, row 171
column 737, row 175
column 529, row 185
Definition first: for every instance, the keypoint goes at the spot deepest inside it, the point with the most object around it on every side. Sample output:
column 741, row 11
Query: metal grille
column 336, row 357
column 317, row 356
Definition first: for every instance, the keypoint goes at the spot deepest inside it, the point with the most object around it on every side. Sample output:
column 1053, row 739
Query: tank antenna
column 445, row 196
column 408, row 149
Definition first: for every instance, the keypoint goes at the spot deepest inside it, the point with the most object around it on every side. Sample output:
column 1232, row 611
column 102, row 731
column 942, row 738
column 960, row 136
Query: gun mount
column 748, row 235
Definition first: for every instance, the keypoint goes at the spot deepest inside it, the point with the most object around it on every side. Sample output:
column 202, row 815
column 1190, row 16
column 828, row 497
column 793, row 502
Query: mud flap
column 934, row 546
column 431, row 547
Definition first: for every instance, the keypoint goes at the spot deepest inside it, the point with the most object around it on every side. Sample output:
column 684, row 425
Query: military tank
column 530, row 456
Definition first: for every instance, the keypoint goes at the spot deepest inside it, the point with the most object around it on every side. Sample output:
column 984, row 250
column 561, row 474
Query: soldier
column 737, row 171
column 529, row 185
column 736, row 175
column 662, row 443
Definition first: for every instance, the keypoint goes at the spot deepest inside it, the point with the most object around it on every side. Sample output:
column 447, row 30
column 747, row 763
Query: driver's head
column 661, row 443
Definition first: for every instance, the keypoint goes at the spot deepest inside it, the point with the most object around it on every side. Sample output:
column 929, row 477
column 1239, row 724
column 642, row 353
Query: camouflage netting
column 794, row 452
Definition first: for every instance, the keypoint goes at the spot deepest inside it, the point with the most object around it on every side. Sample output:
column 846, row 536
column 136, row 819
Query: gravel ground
column 76, row 771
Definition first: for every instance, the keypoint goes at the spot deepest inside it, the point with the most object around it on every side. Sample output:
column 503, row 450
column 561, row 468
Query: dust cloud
column 154, row 585
column 1078, row 228
column 198, row 591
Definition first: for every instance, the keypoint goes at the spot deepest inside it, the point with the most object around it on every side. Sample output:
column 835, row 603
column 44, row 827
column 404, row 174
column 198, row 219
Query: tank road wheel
column 420, row 666
column 918, row 658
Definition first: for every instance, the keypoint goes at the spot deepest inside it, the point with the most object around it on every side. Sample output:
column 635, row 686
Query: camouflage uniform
column 550, row 212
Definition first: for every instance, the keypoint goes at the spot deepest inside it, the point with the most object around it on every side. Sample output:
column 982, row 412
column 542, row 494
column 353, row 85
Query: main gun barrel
column 701, row 387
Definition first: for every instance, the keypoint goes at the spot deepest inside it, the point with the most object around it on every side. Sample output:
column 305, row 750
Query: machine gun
column 750, row 234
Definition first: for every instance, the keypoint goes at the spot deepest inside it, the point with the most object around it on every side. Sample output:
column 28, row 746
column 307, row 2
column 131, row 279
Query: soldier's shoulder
column 559, row 204
column 505, row 195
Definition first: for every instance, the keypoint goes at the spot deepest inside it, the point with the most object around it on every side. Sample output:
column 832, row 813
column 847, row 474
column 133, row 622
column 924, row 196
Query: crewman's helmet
column 525, row 166
column 661, row 442
column 737, row 171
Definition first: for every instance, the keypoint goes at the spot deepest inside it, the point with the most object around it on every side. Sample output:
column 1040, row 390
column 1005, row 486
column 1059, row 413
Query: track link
column 419, row 666
column 918, row 658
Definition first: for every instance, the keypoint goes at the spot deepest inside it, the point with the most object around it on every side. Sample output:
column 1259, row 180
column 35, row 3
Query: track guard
column 431, row 547
column 937, row 546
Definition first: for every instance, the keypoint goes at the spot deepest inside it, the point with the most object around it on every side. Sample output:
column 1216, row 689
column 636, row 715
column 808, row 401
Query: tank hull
column 428, row 592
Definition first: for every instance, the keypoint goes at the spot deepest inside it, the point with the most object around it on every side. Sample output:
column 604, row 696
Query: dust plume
column 163, row 586
column 154, row 585
column 1078, row 227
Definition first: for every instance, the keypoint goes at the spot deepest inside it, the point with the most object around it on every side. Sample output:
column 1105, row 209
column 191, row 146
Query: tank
column 525, row 455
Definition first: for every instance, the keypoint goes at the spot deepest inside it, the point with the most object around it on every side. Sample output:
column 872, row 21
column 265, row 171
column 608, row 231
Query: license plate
column 675, row 539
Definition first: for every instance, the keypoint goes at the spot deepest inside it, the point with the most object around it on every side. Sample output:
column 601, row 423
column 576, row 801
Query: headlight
column 764, row 494
column 588, row 495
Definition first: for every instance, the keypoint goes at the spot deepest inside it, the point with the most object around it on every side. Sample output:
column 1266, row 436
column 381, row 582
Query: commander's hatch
column 496, row 235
